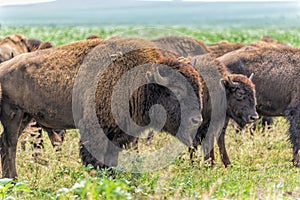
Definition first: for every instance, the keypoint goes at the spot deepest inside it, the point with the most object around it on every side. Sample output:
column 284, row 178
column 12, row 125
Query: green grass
column 60, row 36
column 261, row 164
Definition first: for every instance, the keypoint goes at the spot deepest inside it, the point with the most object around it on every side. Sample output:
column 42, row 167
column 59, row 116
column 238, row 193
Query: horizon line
column 22, row 2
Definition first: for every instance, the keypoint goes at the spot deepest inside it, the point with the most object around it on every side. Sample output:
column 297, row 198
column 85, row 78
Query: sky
column 24, row 2
column 21, row 2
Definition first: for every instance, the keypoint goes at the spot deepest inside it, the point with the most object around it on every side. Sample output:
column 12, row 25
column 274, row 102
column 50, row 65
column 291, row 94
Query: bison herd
column 38, row 81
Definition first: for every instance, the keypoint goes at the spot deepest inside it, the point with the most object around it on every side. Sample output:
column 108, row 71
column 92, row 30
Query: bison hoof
column 88, row 159
column 296, row 161
column 226, row 163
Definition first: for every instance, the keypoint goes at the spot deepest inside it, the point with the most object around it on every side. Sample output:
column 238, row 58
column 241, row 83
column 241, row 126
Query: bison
column 181, row 45
column 277, row 85
column 223, row 47
column 239, row 90
column 14, row 45
column 240, row 98
column 53, row 75
column 17, row 44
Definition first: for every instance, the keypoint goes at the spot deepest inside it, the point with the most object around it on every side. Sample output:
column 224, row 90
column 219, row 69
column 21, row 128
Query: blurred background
column 177, row 13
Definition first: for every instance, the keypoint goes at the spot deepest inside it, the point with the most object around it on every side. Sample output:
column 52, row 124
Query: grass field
column 261, row 164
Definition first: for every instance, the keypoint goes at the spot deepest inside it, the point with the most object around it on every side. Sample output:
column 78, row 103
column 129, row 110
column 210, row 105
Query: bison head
column 16, row 44
column 180, row 95
column 11, row 46
column 241, row 99
column 6, row 53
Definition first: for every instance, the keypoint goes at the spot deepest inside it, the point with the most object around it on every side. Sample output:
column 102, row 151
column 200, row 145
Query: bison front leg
column 211, row 157
column 208, row 149
column 293, row 116
column 108, row 156
column 221, row 144
column 14, row 122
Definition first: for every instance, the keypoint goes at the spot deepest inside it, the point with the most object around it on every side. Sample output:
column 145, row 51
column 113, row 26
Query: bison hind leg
column 293, row 116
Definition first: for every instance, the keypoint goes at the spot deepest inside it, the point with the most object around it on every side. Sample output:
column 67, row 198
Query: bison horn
column 251, row 77
column 231, row 83
column 194, row 62
column 158, row 78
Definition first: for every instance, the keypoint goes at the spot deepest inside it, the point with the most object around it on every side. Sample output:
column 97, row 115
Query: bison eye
column 240, row 94
column 240, row 98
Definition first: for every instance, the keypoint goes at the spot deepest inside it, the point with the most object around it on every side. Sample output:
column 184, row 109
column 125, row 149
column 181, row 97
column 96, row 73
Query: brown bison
column 277, row 85
column 14, row 45
column 240, row 98
column 180, row 45
column 223, row 47
column 239, row 90
column 17, row 44
column 53, row 75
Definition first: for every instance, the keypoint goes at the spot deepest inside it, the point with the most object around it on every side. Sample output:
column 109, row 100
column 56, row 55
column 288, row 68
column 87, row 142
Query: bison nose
column 196, row 121
column 254, row 117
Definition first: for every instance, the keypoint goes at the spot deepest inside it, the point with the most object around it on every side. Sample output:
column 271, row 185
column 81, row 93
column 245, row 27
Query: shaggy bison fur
column 240, row 91
column 50, row 75
column 277, row 84
column 17, row 44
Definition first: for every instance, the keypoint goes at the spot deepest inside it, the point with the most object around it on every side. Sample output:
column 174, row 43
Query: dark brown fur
column 142, row 100
column 182, row 46
column 240, row 109
column 51, row 74
column 276, row 77
column 267, row 41
column 45, row 45
column 93, row 36
column 11, row 46
column 223, row 47
column 14, row 45
column 33, row 44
